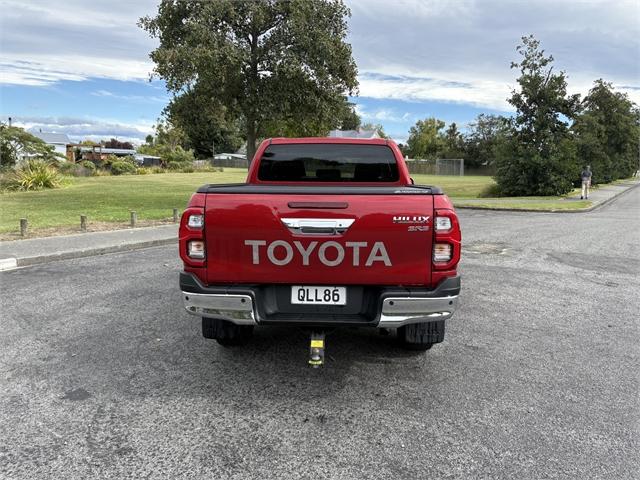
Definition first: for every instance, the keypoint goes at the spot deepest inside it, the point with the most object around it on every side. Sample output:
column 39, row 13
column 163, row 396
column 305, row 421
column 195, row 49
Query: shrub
column 490, row 191
column 67, row 168
column 89, row 165
column 143, row 171
column 179, row 155
column 174, row 166
column 110, row 160
column 122, row 168
column 34, row 175
column 158, row 170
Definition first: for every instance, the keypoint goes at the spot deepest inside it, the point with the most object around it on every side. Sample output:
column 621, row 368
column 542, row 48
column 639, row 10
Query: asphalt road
column 102, row 375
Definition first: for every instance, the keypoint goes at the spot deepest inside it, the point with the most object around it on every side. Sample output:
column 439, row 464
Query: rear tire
column 421, row 336
column 226, row 333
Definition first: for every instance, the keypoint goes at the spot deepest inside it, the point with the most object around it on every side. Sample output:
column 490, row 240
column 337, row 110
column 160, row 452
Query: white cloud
column 414, row 50
column 382, row 115
column 86, row 128
column 132, row 98
column 460, row 51
column 44, row 42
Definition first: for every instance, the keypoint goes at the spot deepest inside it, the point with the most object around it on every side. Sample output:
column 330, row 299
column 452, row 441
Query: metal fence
column 424, row 167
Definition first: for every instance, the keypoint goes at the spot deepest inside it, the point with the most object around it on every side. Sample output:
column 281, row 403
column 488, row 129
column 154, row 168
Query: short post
column 175, row 215
column 134, row 218
column 23, row 227
column 83, row 223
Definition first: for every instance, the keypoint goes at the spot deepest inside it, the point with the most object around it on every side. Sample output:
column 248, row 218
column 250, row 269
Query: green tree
column 539, row 158
column 607, row 133
column 16, row 143
column 349, row 118
column 452, row 143
column 280, row 66
column 167, row 143
column 425, row 140
column 482, row 139
column 207, row 125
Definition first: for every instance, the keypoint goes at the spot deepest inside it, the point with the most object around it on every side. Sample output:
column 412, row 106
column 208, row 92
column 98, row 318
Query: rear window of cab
column 324, row 162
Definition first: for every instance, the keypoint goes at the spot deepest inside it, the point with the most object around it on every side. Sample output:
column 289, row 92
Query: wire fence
column 425, row 167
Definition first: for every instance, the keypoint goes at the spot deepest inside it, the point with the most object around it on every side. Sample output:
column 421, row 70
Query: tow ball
column 316, row 350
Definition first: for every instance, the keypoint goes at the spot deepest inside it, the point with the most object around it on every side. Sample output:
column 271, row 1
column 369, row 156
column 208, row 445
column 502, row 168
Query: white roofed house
column 58, row 141
column 354, row 133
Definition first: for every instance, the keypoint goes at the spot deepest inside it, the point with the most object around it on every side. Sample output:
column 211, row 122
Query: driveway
column 102, row 375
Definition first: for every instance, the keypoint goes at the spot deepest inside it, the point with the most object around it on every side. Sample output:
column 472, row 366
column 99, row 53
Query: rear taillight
column 442, row 252
column 446, row 240
column 195, row 249
column 192, row 242
column 195, row 221
column 443, row 224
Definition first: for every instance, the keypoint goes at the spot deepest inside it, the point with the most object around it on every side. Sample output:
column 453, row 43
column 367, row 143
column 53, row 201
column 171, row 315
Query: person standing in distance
column 586, row 182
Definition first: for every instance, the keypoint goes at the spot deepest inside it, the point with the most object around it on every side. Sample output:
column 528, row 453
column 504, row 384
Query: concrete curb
column 12, row 263
column 531, row 210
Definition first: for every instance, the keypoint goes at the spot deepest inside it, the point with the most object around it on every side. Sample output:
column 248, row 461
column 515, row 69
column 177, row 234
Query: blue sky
column 82, row 68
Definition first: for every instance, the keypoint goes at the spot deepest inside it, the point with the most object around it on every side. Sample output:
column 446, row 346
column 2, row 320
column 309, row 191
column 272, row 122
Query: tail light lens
column 446, row 242
column 195, row 221
column 443, row 224
column 442, row 252
column 192, row 241
column 195, row 249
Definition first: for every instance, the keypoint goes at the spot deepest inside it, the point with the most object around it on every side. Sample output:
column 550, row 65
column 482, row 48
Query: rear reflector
column 195, row 249
column 442, row 252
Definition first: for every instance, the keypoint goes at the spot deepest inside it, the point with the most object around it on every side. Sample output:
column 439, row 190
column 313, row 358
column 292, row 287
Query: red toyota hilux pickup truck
column 325, row 233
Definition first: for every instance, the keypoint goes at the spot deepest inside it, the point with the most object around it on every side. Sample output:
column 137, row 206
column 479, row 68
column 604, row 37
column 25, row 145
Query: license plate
column 322, row 295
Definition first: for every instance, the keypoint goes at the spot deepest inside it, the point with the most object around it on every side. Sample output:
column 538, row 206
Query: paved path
column 104, row 376
column 42, row 250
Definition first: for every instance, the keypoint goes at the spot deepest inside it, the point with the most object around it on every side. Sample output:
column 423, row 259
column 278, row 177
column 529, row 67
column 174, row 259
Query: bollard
column 134, row 218
column 23, row 227
column 175, row 215
column 83, row 223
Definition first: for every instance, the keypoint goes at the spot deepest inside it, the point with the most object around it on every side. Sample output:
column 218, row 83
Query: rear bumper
column 390, row 307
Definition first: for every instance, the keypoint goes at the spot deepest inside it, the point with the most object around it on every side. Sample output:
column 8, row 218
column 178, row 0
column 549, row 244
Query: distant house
column 230, row 160
column 229, row 156
column 147, row 160
column 354, row 133
column 58, row 141
column 97, row 153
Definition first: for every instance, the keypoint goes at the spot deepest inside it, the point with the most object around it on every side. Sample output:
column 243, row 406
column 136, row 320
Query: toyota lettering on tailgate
column 330, row 253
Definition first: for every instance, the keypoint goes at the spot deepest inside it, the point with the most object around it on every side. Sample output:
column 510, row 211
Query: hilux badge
column 410, row 219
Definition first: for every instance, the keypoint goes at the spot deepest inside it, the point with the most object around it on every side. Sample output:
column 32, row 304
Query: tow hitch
column 316, row 350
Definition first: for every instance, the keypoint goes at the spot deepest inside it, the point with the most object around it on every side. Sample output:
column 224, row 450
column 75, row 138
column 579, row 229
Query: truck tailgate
column 319, row 239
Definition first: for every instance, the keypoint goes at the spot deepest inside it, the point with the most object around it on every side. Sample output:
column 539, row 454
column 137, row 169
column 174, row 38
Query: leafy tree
column 280, row 66
column 204, row 124
column 539, row 158
column 16, row 143
column 115, row 143
column 349, row 120
column 608, row 133
column 482, row 139
column 425, row 140
column 167, row 144
column 452, row 143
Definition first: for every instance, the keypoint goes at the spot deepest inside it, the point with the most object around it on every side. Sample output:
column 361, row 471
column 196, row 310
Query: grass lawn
column 107, row 199
column 153, row 197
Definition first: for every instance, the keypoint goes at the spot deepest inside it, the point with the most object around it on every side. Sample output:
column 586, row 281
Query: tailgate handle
column 312, row 226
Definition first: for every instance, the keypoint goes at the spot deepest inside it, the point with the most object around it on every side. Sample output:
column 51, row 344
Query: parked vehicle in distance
column 325, row 233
